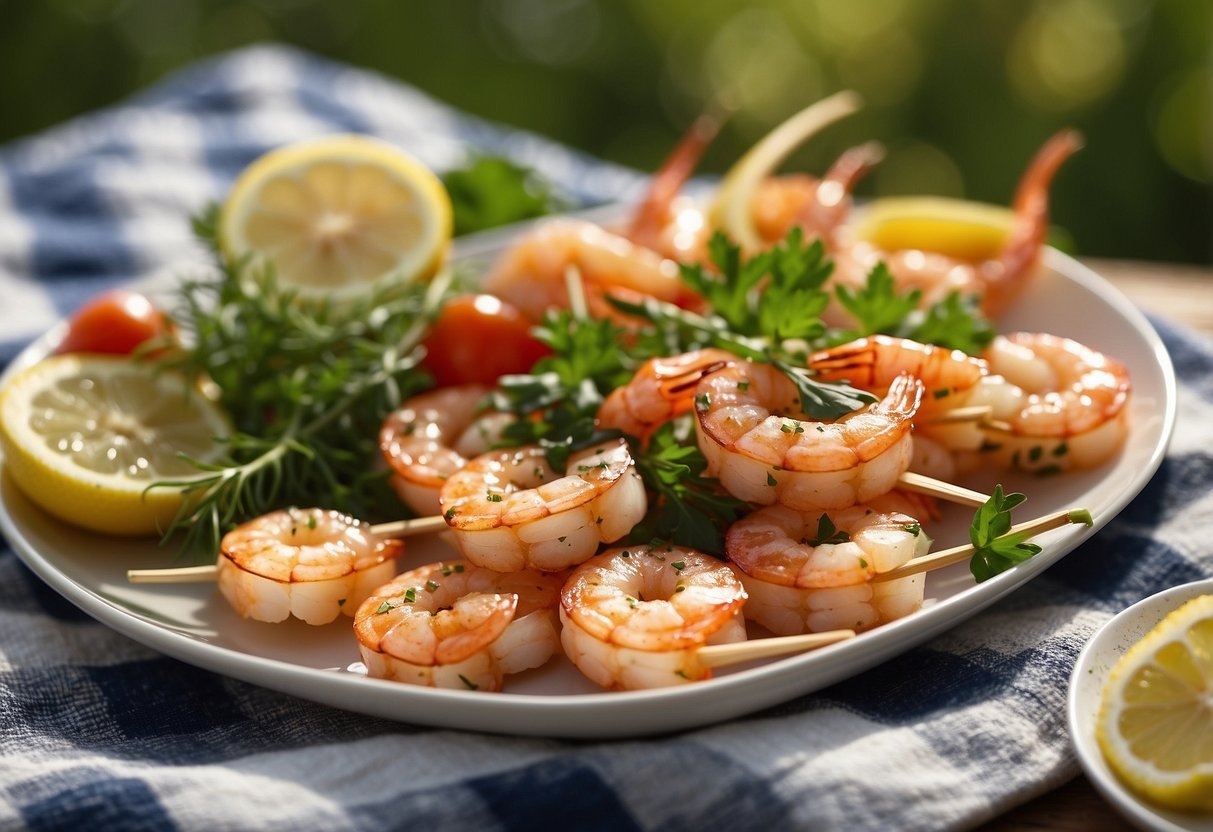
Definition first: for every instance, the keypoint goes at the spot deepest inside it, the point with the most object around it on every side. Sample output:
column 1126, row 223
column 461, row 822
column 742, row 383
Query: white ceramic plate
column 1086, row 686
column 192, row 623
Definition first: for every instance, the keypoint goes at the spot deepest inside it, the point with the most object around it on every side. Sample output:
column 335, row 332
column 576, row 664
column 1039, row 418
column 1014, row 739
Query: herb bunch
column 306, row 385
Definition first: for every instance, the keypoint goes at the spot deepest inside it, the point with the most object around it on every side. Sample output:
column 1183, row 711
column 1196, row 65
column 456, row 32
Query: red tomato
column 477, row 339
column 116, row 322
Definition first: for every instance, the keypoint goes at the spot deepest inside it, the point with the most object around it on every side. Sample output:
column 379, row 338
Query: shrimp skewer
column 531, row 275
column 456, row 625
column 509, row 510
column 636, row 618
column 1062, row 405
column 431, row 436
column 308, row 563
column 763, row 450
column 994, row 277
column 808, row 572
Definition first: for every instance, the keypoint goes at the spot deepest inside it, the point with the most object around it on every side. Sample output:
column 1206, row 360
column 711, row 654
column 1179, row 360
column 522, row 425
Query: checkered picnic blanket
column 99, row 732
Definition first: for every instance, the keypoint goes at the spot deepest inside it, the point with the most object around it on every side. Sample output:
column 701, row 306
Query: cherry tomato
column 115, row 322
column 477, row 339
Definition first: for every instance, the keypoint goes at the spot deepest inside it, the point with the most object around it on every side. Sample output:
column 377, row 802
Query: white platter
column 192, row 623
column 1091, row 671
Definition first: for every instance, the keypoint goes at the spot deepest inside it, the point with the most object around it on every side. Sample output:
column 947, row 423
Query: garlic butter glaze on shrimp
column 310, row 563
column 661, row 390
column 1063, row 404
column 635, row 618
column 763, row 449
column 509, row 510
column 996, row 277
column 456, row 625
column 431, row 437
column 531, row 275
column 806, row 575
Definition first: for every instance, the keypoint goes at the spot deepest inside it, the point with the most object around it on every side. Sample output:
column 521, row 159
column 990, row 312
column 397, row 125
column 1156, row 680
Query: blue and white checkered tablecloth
column 98, row 732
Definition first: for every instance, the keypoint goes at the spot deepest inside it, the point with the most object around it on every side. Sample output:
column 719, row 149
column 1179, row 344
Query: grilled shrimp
column 635, row 618
column 509, row 510
column 811, row 572
column 1062, row 404
column 763, row 450
column 455, row 625
column 531, row 275
column 309, row 563
column 661, row 390
column 431, row 437
column 995, row 278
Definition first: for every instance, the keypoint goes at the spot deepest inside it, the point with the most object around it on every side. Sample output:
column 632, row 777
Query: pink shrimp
column 662, row 390
column 995, row 279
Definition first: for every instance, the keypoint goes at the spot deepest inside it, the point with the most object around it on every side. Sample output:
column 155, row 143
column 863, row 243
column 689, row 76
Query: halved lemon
column 1155, row 724
column 83, row 437
column 338, row 216
column 964, row 230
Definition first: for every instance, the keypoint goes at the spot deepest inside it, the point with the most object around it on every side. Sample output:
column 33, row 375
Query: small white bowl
column 1086, row 687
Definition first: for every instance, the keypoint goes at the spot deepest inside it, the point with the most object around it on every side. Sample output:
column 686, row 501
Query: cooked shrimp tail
column 654, row 212
column 828, row 205
column 1031, row 224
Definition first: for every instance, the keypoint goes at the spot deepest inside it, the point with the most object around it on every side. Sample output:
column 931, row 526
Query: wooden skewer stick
column 959, row 554
column 976, row 413
column 201, row 574
column 718, row 655
column 943, row 490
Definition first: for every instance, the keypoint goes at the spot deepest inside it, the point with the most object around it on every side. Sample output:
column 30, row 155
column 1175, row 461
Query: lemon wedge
column 338, row 216
column 83, row 437
column 1155, row 725
column 963, row 230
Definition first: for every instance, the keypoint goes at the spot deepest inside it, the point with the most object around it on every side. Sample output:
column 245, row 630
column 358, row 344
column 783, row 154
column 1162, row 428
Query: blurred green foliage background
column 961, row 92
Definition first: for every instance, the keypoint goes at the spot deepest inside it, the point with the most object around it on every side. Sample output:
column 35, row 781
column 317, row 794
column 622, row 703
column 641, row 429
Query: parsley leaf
column 996, row 551
column 689, row 508
column 877, row 306
column 827, row 532
column 491, row 191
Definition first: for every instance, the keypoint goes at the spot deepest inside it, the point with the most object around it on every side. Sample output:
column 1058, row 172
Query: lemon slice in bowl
column 338, row 216
column 83, row 437
column 1155, row 725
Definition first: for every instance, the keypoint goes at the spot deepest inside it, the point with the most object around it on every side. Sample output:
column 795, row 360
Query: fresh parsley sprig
column 997, row 546
column 688, row 508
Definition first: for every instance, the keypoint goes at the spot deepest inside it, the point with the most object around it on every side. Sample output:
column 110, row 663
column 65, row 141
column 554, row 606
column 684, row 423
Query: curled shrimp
column 1062, row 404
column 995, row 279
column 509, row 510
column 809, row 572
column 532, row 274
column 310, row 563
column 661, row 390
column 764, row 450
column 456, row 625
column 635, row 618
column 431, row 437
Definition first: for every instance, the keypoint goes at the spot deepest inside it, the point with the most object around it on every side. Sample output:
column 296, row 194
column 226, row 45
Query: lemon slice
column 1155, row 725
column 83, row 437
column 969, row 231
column 338, row 216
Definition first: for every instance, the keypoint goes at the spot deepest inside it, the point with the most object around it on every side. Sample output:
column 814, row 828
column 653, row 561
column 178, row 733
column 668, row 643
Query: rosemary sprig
column 306, row 385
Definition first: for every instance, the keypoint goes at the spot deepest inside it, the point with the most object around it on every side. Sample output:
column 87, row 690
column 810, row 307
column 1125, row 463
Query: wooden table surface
column 1179, row 293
